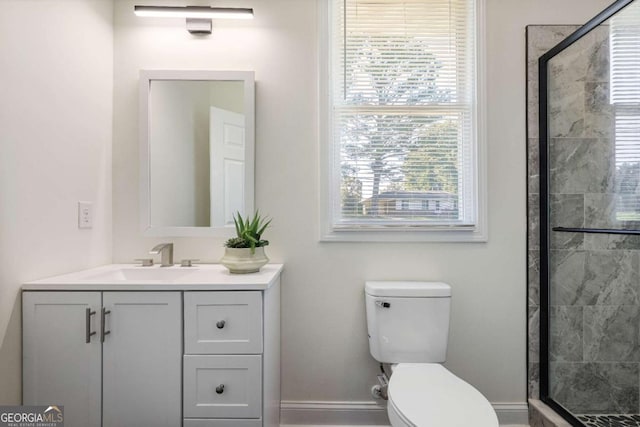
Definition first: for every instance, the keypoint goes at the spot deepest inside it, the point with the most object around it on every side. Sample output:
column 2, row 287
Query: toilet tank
column 408, row 322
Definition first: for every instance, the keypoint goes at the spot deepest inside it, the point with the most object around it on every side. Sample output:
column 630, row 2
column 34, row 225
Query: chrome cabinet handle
column 220, row 324
column 104, row 332
column 87, row 316
column 220, row 389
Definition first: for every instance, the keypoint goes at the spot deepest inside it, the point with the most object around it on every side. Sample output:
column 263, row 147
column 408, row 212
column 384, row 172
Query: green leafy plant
column 249, row 232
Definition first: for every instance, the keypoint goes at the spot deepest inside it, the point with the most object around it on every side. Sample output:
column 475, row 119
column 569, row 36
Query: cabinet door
column 59, row 366
column 142, row 359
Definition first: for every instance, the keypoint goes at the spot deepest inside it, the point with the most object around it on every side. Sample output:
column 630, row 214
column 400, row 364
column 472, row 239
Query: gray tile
column 574, row 76
column 566, row 333
column 598, row 61
column 566, row 210
column 533, row 218
column 540, row 38
column 611, row 278
column 610, row 241
column 610, row 211
column 594, row 277
column 533, row 265
column 566, row 94
column 612, row 333
column 534, row 334
column 581, row 165
column 572, row 64
column 534, row 380
column 567, row 276
column 533, row 165
column 599, row 119
column 566, row 109
column 532, row 108
column 566, row 240
column 601, row 211
column 599, row 125
column 597, row 98
column 600, row 388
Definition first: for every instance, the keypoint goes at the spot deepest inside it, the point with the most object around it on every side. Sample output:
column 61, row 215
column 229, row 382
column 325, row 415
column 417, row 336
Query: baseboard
column 305, row 412
column 371, row 413
column 512, row 413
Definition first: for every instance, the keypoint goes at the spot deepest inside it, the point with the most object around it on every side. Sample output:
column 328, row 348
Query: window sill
column 476, row 235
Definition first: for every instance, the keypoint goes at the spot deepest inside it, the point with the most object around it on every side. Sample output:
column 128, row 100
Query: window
column 402, row 121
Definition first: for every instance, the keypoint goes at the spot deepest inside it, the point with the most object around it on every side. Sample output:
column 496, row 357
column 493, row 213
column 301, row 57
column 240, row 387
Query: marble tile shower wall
column 595, row 279
column 540, row 38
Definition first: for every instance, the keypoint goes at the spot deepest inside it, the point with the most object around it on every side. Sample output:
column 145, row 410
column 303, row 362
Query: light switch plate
column 85, row 215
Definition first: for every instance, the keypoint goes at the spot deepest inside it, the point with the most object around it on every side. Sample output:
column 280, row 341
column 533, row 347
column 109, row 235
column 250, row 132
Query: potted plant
column 245, row 252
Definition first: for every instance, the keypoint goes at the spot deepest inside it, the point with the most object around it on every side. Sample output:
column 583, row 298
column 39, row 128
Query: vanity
column 163, row 346
column 126, row 345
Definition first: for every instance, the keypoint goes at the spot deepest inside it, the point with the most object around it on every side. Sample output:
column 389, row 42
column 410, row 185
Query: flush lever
column 383, row 304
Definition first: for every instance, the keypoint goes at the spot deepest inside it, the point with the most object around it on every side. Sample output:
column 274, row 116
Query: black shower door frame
column 545, row 228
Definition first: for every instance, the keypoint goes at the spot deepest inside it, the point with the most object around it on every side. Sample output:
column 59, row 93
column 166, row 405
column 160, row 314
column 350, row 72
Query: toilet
column 408, row 326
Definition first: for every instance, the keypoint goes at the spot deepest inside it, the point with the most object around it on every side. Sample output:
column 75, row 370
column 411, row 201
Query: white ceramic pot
column 242, row 261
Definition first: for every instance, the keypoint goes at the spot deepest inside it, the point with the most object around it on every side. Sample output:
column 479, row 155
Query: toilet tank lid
column 407, row 289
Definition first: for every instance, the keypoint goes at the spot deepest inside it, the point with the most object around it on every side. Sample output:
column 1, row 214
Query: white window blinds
column 624, row 51
column 403, row 80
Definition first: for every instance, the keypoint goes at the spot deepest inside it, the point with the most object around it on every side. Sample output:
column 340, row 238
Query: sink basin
column 169, row 274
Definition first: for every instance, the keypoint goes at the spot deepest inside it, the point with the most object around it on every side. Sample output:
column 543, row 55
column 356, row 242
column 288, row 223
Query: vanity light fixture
column 198, row 17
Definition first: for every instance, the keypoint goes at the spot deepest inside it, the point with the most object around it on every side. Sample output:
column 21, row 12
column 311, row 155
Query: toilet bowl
column 429, row 395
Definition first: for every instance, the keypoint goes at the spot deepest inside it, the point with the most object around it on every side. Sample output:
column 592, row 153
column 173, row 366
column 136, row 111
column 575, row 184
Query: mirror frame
column 146, row 77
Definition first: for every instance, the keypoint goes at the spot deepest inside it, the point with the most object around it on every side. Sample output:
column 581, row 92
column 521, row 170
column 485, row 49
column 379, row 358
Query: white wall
column 55, row 149
column 324, row 344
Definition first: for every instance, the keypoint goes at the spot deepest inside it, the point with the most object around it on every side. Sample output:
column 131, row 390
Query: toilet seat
column 428, row 395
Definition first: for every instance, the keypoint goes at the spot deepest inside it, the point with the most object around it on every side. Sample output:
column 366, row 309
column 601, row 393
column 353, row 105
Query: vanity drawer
column 223, row 322
column 222, row 386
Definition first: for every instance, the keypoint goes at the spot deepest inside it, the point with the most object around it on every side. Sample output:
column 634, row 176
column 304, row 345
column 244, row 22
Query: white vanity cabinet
column 223, row 358
column 202, row 350
column 119, row 351
column 232, row 358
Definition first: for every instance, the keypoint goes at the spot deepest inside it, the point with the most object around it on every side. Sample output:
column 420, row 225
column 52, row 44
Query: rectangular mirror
column 196, row 151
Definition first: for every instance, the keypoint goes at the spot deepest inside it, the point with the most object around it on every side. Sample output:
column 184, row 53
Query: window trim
column 406, row 233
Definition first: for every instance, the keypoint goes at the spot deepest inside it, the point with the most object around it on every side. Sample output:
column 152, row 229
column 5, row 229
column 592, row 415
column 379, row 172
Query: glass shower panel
column 593, row 202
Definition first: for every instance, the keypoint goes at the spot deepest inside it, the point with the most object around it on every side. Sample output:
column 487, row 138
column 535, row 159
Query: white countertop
column 134, row 277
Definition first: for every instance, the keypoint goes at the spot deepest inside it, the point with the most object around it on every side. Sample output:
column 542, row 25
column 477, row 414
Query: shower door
column 590, row 221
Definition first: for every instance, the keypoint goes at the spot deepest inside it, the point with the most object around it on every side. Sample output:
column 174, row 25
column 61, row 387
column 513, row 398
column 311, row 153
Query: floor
column 603, row 420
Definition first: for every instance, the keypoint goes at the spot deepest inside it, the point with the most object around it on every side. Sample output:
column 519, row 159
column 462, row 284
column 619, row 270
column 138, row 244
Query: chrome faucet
column 166, row 251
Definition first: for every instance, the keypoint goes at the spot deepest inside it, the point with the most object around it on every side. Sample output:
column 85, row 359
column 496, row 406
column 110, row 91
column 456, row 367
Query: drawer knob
column 220, row 389
column 220, row 324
